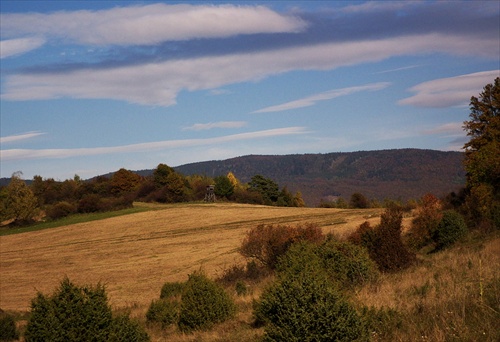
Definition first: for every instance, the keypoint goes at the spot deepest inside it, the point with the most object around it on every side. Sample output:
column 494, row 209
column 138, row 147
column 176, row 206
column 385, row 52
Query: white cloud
column 450, row 129
column 449, row 92
column 18, row 137
column 211, row 125
column 327, row 95
column 159, row 83
column 150, row 24
column 24, row 154
column 12, row 47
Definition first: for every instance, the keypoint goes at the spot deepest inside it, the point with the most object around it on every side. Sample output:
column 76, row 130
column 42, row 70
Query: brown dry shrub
column 266, row 243
column 426, row 220
column 384, row 243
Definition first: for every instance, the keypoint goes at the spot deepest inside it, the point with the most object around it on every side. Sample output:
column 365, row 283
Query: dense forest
column 389, row 174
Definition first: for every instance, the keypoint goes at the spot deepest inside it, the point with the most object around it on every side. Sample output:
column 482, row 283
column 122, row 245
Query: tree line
column 23, row 203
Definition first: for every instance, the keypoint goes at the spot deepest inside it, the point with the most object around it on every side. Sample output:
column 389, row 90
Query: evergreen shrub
column 450, row 229
column 164, row 312
column 171, row 289
column 308, row 307
column 203, row 304
column 8, row 329
column 76, row 313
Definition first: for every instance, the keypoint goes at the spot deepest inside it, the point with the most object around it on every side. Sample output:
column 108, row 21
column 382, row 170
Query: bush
column 266, row 243
column 426, row 220
column 308, row 307
column 345, row 263
column 384, row 242
column 74, row 313
column 203, row 304
column 8, row 329
column 60, row 210
column 125, row 329
column 359, row 201
column 163, row 311
column 450, row 229
column 170, row 290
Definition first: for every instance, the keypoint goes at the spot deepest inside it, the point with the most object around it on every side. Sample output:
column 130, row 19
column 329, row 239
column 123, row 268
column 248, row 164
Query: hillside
column 402, row 173
column 135, row 254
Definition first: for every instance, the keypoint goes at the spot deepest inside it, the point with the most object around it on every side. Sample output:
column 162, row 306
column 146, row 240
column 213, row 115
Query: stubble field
column 134, row 255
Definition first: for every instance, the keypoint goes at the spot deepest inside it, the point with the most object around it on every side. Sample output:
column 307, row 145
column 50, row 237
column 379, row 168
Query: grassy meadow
column 135, row 254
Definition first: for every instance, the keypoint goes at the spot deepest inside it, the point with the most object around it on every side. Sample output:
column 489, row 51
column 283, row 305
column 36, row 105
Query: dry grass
column 450, row 295
column 135, row 254
column 447, row 296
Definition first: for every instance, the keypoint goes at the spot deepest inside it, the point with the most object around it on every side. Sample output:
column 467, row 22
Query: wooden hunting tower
column 210, row 195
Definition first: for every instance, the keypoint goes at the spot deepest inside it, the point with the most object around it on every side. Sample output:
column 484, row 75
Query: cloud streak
column 451, row 91
column 19, row 137
column 150, row 24
column 212, row 125
column 13, row 47
column 157, row 84
column 25, row 154
column 327, row 95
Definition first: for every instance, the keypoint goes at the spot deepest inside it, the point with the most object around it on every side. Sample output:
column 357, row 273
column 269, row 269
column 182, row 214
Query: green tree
column 21, row 204
column 359, row 201
column 160, row 175
column 223, row 187
column 482, row 156
column 268, row 189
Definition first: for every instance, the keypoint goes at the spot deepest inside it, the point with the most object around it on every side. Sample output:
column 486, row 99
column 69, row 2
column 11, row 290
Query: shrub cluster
column 8, row 329
column 344, row 263
column 75, row 313
column 450, row 229
column 266, row 243
column 384, row 243
column 308, row 307
column 201, row 304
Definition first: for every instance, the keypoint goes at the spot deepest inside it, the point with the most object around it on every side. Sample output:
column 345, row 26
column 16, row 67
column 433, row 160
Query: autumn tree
column 124, row 181
column 20, row 203
column 482, row 155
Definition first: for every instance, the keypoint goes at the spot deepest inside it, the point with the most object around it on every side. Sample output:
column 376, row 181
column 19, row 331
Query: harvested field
column 134, row 255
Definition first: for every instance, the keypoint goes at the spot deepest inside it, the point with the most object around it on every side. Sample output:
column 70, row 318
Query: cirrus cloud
column 13, row 47
column 25, row 154
column 327, row 95
column 158, row 83
column 150, row 24
column 451, row 91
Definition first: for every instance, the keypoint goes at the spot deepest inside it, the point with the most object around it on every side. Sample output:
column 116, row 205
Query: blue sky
column 88, row 87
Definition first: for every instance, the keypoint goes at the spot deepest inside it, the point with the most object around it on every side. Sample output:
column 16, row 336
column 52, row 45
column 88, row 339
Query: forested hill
column 401, row 173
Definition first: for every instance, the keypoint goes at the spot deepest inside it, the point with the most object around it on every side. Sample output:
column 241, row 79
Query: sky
column 89, row 87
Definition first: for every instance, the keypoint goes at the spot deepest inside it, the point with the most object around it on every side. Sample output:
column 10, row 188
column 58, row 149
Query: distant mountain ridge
column 397, row 173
